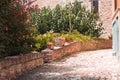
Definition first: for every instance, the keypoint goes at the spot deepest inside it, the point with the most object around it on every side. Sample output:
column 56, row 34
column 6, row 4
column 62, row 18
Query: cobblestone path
column 89, row 65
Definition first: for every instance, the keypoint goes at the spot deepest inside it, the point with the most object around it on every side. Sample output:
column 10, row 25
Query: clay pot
column 50, row 45
column 62, row 42
column 68, row 40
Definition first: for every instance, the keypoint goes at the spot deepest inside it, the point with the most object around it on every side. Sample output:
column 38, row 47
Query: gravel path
column 89, row 65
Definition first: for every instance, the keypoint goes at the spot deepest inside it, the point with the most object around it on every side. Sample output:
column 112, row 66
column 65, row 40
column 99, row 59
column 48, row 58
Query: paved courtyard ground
column 88, row 65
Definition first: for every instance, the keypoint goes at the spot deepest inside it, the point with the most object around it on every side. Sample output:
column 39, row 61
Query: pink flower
column 23, row 36
column 39, row 9
column 25, row 6
column 6, row 28
column 28, row 14
column 31, row 34
column 31, row 45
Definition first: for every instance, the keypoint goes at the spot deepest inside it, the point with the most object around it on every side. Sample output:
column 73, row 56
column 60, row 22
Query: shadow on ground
column 55, row 72
column 90, row 65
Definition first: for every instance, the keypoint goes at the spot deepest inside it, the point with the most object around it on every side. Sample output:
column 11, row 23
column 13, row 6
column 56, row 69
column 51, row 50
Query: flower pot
column 50, row 46
column 68, row 40
column 62, row 42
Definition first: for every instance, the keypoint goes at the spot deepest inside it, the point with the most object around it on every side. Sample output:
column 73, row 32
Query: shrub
column 66, row 19
column 40, row 43
column 75, row 35
column 15, row 30
column 42, row 40
column 42, row 20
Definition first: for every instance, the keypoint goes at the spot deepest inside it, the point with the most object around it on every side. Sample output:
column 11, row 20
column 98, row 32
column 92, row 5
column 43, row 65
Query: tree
column 15, row 30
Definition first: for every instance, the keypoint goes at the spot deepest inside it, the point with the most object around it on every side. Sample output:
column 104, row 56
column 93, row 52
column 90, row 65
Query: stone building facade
column 50, row 3
column 105, row 13
column 104, row 10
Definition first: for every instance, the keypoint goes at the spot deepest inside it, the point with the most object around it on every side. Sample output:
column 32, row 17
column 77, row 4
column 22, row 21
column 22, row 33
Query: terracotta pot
column 50, row 45
column 69, row 40
column 62, row 42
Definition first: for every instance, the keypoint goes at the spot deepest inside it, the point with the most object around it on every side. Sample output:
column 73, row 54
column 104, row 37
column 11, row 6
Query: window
column 95, row 6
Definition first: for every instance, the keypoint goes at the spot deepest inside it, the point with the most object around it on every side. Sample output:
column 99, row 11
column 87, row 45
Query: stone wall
column 51, row 55
column 10, row 67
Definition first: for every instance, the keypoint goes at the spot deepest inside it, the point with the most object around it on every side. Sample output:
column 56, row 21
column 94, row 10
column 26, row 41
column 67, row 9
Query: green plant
column 85, row 21
column 66, row 19
column 40, row 43
column 43, row 39
column 42, row 20
column 75, row 35
column 15, row 30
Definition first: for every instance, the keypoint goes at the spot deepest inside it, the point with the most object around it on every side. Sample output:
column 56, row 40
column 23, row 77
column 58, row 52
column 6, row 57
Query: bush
column 42, row 20
column 75, row 35
column 40, row 43
column 42, row 40
column 66, row 19
column 15, row 30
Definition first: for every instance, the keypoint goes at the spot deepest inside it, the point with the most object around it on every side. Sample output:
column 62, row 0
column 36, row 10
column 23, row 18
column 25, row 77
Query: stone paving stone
column 88, row 65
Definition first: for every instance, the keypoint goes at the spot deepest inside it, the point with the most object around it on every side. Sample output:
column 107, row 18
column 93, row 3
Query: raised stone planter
column 51, row 55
